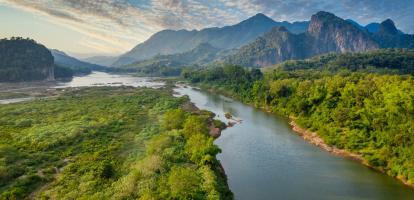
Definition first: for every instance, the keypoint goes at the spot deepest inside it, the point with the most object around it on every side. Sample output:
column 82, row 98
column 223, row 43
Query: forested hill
column 351, row 108
column 24, row 60
column 78, row 67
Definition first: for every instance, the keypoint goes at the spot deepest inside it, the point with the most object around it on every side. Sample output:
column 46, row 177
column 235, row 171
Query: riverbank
column 315, row 139
column 312, row 137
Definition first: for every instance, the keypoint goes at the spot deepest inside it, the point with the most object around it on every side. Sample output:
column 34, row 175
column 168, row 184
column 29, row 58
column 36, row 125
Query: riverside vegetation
column 128, row 143
column 360, row 102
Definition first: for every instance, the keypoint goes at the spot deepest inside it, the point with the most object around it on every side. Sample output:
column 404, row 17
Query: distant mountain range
column 78, row 67
column 167, row 65
column 106, row 61
column 326, row 33
column 260, row 41
column 229, row 37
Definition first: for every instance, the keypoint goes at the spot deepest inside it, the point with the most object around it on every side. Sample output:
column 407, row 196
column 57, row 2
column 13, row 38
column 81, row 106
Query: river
column 264, row 159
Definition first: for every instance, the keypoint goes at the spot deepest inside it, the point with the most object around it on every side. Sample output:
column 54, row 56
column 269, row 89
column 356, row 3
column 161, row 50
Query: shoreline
column 214, row 132
column 311, row 137
column 314, row 139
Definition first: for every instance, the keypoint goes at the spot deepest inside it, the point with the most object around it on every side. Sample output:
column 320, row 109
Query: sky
column 85, row 28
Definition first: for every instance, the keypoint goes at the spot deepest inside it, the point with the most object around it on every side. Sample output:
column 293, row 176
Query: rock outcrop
column 326, row 33
column 329, row 33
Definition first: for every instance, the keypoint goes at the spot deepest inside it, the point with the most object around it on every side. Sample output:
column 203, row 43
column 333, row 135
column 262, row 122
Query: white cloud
column 118, row 25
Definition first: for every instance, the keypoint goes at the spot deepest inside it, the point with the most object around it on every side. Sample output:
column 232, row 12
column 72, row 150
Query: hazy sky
column 91, row 27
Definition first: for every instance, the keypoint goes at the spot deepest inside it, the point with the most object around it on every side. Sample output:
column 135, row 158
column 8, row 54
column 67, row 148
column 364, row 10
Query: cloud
column 121, row 24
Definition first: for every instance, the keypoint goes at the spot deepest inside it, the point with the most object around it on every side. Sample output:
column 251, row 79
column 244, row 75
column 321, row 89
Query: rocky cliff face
column 275, row 46
column 326, row 33
column 333, row 34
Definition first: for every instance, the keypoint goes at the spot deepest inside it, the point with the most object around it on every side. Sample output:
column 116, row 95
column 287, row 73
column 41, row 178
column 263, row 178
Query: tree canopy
column 24, row 60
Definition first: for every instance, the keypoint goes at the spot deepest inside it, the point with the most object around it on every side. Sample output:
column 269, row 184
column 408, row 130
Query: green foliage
column 382, row 61
column 24, row 60
column 174, row 119
column 117, row 146
column 368, row 113
column 184, row 183
column 219, row 124
column 201, row 149
column 230, row 78
column 194, row 125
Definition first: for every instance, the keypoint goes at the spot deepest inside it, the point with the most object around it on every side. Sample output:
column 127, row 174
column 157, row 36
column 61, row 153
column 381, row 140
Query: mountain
column 388, row 36
column 24, row 60
column 273, row 47
column 355, row 24
column 172, row 64
column 373, row 27
column 229, row 37
column 77, row 66
column 326, row 33
column 101, row 60
column 329, row 33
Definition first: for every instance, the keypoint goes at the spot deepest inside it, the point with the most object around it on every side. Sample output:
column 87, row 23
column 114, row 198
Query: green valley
column 206, row 100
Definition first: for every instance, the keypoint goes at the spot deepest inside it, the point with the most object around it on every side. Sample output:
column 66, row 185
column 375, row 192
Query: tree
column 173, row 119
column 184, row 183
column 194, row 125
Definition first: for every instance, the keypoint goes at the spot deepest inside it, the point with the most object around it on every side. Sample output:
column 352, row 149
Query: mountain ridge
column 326, row 33
column 100, row 60
column 77, row 66
column 171, row 65
column 228, row 37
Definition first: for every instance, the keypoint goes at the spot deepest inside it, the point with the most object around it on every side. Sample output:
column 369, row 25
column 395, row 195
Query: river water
column 105, row 79
column 264, row 159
